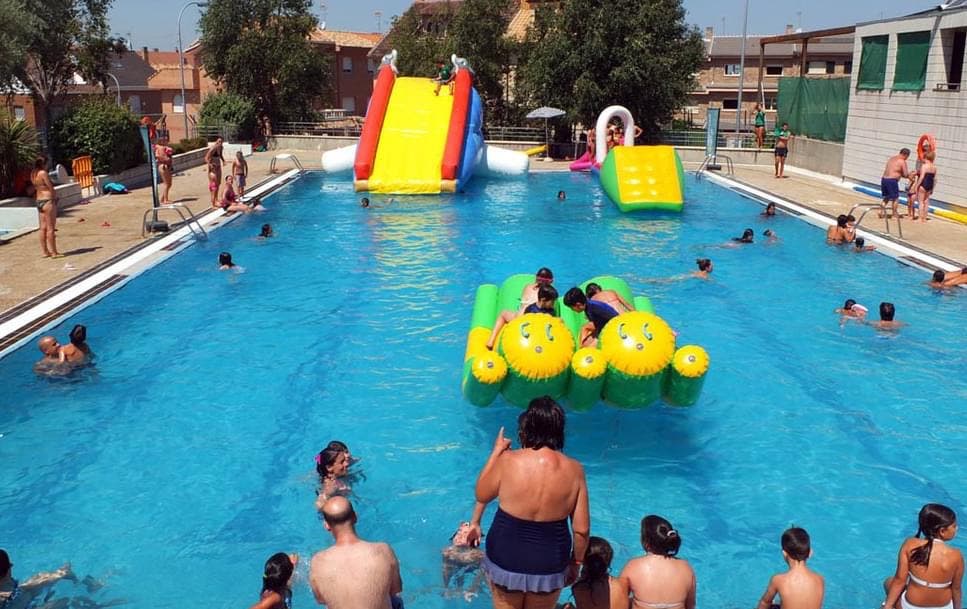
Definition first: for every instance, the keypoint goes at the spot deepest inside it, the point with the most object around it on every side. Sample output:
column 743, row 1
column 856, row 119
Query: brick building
column 353, row 69
column 717, row 82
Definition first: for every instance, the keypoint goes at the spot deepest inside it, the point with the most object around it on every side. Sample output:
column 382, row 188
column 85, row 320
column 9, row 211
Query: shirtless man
column 46, row 199
column 352, row 573
column 54, row 362
column 941, row 280
column 895, row 169
column 887, row 318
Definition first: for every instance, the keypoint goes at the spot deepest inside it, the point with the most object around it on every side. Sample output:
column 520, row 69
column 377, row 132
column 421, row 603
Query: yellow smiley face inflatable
column 537, row 346
column 638, row 344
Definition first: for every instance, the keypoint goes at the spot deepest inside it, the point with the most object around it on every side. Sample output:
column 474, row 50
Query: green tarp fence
column 815, row 107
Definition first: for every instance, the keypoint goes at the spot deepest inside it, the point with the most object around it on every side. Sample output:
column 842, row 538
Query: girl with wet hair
column 928, row 572
column 332, row 464
column 595, row 588
column 659, row 579
column 704, row 268
column 276, row 593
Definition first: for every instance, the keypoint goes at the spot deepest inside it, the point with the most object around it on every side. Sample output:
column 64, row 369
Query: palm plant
column 19, row 146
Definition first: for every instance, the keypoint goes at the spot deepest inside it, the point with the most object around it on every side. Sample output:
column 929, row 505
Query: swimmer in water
column 19, row 595
column 266, row 232
column 364, row 202
column 276, row 577
column 461, row 560
column 861, row 246
column 332, row 465
column 887, row 318
column 594, row 292
column 351, row 476
column 838, row 233
column 852, row 310
column 770, row 235
column 704, row 268
column 770, row 210
column 77, row 352
column 54, row 362
column 225, row 262
column 941, row 280
column 561, row 195
column 747, row 236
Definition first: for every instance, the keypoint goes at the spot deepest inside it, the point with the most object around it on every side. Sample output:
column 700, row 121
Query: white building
column 907, row 82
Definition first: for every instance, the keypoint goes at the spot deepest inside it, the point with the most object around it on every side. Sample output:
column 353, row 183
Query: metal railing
column 226, row 131
column 514, row 134
column 883, row 212
column 317, row 128
column 689, row 137
column 191, row 220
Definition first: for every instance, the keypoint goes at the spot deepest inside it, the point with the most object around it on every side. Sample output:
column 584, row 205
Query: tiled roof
column 520, row 23
column 731, row 46
column 362, row 40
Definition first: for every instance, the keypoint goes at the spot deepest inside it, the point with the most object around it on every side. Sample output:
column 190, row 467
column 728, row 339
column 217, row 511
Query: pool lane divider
column 908, row 254
column 22, row 322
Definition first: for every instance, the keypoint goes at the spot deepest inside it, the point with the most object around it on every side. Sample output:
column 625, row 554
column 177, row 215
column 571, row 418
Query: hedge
column 99, row 128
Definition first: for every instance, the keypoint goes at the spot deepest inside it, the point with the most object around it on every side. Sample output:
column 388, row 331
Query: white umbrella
column 546, row 112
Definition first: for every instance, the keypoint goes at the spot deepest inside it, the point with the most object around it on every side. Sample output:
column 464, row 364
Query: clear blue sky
column 155, row 24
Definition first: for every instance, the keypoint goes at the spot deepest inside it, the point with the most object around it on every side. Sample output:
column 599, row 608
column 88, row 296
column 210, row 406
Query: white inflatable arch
column 601, row 130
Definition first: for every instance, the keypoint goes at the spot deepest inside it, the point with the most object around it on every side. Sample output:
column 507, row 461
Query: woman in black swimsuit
column 926, row 182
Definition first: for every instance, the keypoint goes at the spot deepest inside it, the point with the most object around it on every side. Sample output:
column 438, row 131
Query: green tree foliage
column 260, row 50
column 68, row 37
column 15, row 27
column 101, row 129
column 590, row 55
column 19, row 147
column 421, row 41
column 230, row 109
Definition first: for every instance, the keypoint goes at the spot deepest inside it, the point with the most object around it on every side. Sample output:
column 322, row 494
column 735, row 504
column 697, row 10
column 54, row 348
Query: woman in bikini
column 162, row 154
column 928, row 571
column 529, row 552
column 215, row 160
column 659, row 579
column 46, row 199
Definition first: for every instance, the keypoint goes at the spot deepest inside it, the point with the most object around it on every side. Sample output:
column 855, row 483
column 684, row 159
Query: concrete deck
column 91, row 233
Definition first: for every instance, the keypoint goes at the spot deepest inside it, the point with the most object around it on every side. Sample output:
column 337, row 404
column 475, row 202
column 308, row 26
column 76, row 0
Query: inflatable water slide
column 634, row 177
column 418, row 138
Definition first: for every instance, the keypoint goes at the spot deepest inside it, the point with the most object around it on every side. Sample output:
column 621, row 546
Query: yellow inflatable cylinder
column 485, row 375
column 588, row 369
column 686, row 375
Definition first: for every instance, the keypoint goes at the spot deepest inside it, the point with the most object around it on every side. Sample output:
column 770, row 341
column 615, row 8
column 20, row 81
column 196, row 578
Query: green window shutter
column 873, row 63
column 911, row 61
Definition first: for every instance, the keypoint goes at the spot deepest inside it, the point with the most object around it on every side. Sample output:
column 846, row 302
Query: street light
column 738, row 105
column 118, row 85
column 181, row 61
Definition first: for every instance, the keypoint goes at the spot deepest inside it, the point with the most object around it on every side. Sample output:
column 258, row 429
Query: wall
column 882, row 122
column 357, row 84
column 141, row 175
column 816, row 155
column 321, row 143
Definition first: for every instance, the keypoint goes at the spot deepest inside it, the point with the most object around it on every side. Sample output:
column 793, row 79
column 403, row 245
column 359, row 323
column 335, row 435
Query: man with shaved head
column 352, row 573
column 53, row 361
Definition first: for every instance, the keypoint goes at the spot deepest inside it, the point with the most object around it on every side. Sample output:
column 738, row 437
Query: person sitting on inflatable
column 609, row 297
column 598, row 314
column 444, row 76
column 546, row 295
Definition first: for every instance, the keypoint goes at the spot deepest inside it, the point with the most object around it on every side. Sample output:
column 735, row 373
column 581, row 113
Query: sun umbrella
column 546, row 112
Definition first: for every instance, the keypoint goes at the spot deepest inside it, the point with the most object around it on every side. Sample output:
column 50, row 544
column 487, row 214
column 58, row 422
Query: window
column 911, row 61
column 773, row 70
column 848, row 66
column 370, row 65
column 770, row 103
column 349, row 104
column 873, row 63
column 954, row 45
column 830, row 67
column 178, row 104
column 731, row 69
column 19, row 113
column 730, row 104
column 347, row 64
column 816, row 67
column 134, row 102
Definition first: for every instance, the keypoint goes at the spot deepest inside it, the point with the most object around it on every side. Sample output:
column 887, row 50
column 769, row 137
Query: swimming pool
column 185, row 459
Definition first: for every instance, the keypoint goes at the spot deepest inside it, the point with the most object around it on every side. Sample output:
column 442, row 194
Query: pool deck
column 92, row 233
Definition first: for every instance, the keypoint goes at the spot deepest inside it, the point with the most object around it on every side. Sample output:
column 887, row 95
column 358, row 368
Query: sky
column 140, row 20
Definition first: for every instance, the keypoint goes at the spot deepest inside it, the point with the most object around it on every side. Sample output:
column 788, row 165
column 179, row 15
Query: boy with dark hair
column 444, row 76
column 546, row 296
column 887, row 315
column 598, row 314
column 799, row 587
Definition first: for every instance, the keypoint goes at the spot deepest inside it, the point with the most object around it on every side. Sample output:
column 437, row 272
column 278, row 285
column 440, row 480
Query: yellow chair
column 83, row 169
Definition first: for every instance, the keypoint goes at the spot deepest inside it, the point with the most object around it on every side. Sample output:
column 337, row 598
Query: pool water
column 172, row 470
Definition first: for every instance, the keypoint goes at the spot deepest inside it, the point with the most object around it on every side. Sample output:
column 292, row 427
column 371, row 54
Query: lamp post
column 181, row 61
column 738, row 105
column 118, row 85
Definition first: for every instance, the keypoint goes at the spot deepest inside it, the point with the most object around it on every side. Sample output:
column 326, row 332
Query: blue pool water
column 182, row 462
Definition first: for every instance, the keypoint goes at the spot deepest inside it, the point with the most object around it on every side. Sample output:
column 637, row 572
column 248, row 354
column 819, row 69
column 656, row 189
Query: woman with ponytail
column 928, row 571
column 275, row 582
column 596, row 589
column 659, row 579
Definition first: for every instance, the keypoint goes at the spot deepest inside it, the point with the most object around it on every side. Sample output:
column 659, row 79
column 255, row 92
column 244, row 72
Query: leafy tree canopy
column 260, row 50
column 15, row 28
column 228, row 108
column 590, row 55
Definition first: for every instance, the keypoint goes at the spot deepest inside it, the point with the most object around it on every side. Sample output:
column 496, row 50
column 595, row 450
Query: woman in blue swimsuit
column 928, row 571
column 529, row 552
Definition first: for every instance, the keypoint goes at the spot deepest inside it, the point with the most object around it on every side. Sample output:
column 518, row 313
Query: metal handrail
column 710, row 160
column 288, row 156
column 883, row 209
column 200, row 234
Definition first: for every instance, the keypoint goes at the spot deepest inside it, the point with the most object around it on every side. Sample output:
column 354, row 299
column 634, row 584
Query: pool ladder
column 288, row 156
column 883, row 209
column 191, row 220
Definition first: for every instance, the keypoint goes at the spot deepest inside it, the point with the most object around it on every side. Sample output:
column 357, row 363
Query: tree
column 99, row 128
column 590, row 55
column 478, row 33
column 418, row 45
column 19, row 147
column 260, row 50
column 225, row 108
column 15, row 27
column 69, row 37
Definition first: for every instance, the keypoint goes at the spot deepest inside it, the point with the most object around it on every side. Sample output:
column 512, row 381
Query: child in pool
column 799, row 587
column 332, row 465
column 460, row 560
column 276, row 593
column 546, row 295
column 596, row 588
